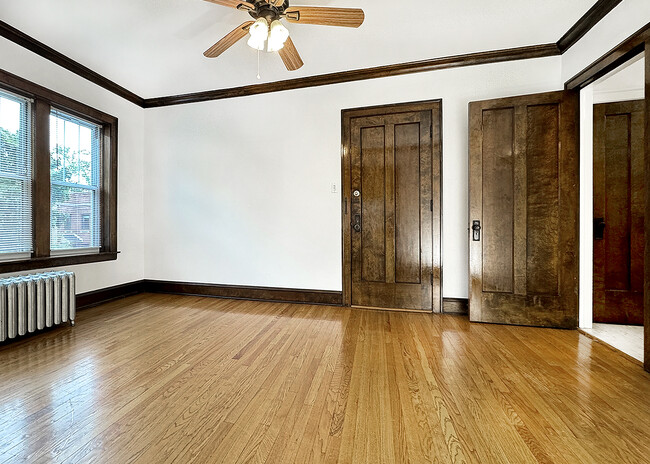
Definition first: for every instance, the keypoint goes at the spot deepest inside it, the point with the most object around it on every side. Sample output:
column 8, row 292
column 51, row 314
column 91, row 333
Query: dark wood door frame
column 637, row 43
column 435, row 106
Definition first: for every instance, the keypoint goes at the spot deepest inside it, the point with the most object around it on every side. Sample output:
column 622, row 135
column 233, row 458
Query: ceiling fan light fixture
column 266, row 25
column 259, row 32
column 278, row 36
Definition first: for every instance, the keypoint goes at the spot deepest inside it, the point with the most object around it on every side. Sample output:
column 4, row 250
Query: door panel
column 498, row 192
column 618, row 200
column 542, row 185
column 524, row 191
column 391, row 222
column 408, row 265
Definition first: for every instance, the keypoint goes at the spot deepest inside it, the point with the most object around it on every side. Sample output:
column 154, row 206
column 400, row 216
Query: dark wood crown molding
column 470, row 59
column 586, row 23
column 30, row 43
column 578, row 30
column 629, row 48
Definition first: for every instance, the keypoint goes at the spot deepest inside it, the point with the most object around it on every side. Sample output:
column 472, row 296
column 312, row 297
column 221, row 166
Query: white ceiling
column 155, row 47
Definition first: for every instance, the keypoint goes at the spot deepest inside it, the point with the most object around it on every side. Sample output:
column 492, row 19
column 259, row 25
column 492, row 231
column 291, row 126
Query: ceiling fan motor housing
column 264, row 9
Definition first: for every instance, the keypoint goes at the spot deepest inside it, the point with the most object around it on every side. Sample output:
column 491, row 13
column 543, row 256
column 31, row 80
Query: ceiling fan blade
column 290, row 56
column 228, row 41
column 346, row 17
column 277, row 3
column 238, row 4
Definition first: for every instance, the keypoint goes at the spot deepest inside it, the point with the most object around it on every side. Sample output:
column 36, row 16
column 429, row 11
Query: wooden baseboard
column 240, row 292
column 455, row 305
column 286, row 295
column 104, row 295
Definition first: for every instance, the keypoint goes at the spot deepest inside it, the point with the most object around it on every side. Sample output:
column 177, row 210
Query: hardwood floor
column 163, row 378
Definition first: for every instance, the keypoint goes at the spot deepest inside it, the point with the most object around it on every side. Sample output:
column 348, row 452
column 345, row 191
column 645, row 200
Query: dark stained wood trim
column 391, row 108
column 626, row 50
column 346, row 206
column 55, row 261
column 41, row 190
column 287, row 295
column 586, row 23
column 104, row 295
column 646, row 283
column 435, row 106
column 30, row 43
column 470, row 59
column 109, row 190
column 455, row 305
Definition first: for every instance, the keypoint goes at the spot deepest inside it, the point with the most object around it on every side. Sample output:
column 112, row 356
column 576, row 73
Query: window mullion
column 41, row 179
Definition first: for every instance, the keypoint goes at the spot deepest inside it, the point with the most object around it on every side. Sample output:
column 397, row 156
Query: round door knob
column 356, row 193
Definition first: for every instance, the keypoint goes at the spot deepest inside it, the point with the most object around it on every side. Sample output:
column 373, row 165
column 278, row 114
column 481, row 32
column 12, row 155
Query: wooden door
column 391, row 163
column 523, row 181
column 618, row 212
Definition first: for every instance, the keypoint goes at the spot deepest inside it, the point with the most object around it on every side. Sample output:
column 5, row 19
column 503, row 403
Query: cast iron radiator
column 33, row 302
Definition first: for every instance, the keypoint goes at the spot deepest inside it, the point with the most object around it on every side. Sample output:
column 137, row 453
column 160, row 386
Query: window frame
column 43, row 101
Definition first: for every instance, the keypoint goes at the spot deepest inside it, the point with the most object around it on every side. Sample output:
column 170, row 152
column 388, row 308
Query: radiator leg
column 71, row 323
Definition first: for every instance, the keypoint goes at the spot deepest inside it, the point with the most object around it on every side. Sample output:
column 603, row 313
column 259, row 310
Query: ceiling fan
column 267, row 27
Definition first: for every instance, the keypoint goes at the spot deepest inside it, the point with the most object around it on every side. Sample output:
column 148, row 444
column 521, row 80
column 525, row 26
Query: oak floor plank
column 164, row 378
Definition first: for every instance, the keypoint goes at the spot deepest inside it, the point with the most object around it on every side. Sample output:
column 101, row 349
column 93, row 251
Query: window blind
column 15, row 176
column 75, row 147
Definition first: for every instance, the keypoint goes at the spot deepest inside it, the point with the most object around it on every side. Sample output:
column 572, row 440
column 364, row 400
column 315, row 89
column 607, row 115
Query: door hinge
column 432, row 278
column 431, row 205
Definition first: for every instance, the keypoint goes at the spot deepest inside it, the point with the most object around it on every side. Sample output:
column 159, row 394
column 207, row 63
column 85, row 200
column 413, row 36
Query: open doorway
column 612, row 208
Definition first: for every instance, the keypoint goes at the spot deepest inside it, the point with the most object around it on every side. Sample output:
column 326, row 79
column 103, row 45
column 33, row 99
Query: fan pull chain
column 258, row 64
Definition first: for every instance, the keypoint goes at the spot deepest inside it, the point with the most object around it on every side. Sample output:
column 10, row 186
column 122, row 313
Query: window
column 15, row 177
column 58, row 179
column 74, row 176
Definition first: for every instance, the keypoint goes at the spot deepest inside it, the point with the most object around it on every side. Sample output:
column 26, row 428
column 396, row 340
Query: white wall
column 238, row 191
column 129, row 266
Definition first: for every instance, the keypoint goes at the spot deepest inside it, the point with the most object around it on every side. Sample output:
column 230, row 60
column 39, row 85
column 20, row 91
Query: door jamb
column 435, row 106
